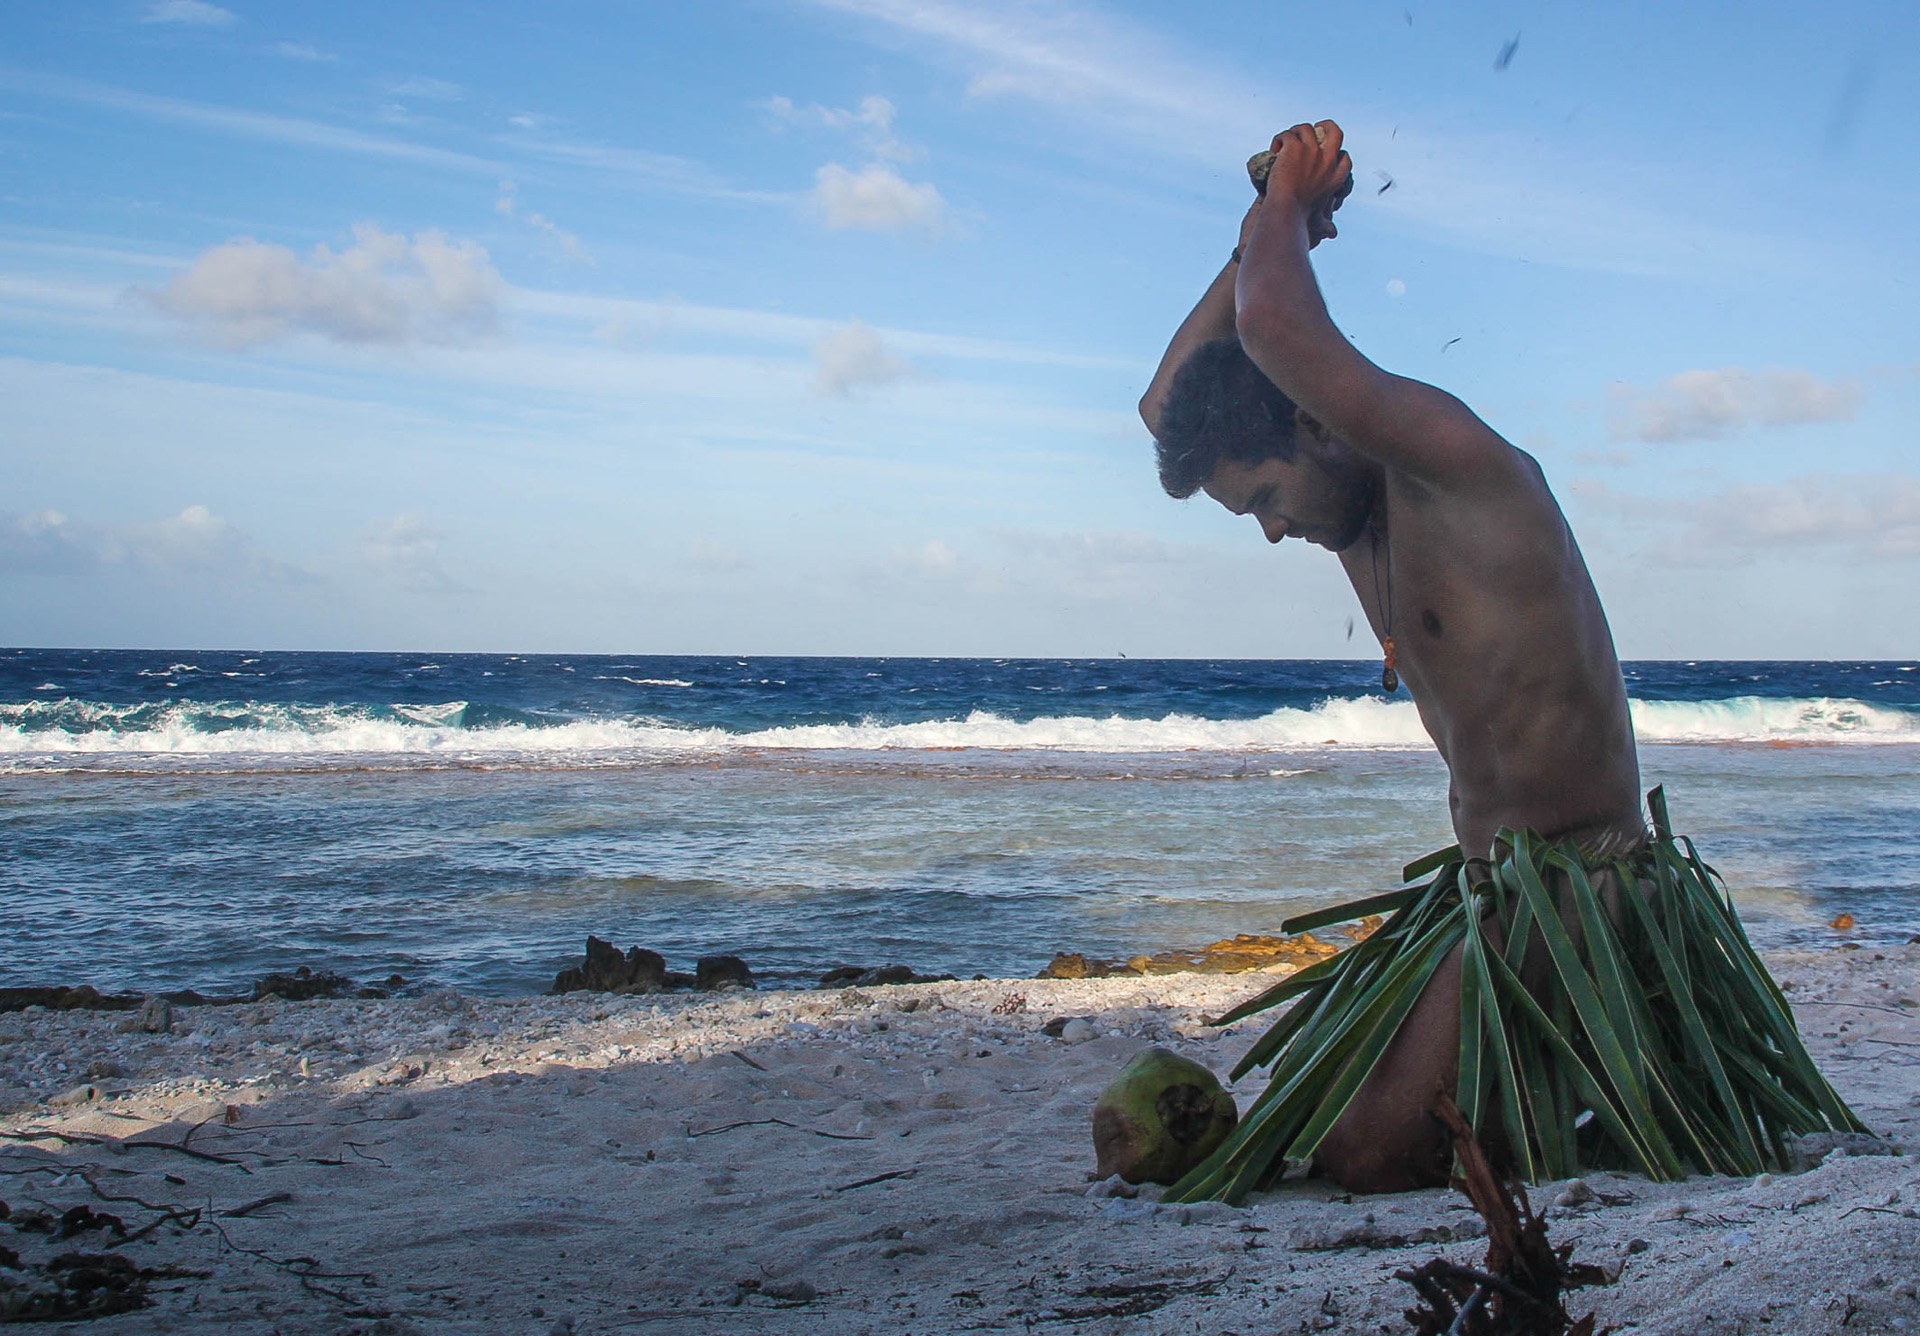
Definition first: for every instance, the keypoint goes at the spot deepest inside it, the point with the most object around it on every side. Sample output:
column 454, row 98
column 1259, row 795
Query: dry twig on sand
column 1517, row 1292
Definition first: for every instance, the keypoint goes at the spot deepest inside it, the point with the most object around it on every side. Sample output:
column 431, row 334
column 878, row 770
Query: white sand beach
column 892, row 1159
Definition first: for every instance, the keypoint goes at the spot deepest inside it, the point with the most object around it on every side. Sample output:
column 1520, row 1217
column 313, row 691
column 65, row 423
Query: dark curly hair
column 1220, row 406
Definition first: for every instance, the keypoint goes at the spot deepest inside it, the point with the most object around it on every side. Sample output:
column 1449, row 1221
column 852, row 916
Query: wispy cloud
column 873, row 197
column 428, row 88
column 194, row 542
column 193, row 13
column 1073, row 57
column 1877, row 516
column 301, row 51
column 1484, row 191
column 852, row 356
column 507, row 205
column 405, row 550
column 1872, row 516
column 871, row 122
column 745, row 325
column 877, row 199
column 255, row 125
column 1707, row 405
column 663, row 171
column 40, row 293
column 385, row 288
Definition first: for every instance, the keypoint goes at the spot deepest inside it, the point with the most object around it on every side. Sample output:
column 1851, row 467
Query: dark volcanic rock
column 712, row 973
column 303, row 985
column 861, row 976
column 1073, row 965
column 155, row 1017
column 82, row 997
column 605, row 970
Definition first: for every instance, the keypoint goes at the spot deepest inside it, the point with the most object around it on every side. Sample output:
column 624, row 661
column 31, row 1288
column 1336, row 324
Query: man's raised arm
column 1211, row 318
column 1283, row 324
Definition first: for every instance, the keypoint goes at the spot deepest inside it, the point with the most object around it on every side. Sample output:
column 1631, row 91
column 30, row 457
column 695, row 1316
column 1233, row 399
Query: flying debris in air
column 1450, row 342
column 1386, row 182
column 1505, row 58
column 1349, row 628
column 1409, row 14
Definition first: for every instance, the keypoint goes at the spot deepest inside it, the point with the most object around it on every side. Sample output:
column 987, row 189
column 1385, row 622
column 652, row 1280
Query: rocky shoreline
column 638, row 971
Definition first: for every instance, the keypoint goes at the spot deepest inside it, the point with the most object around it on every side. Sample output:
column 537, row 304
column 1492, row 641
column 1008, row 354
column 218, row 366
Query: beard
column 1355, row 521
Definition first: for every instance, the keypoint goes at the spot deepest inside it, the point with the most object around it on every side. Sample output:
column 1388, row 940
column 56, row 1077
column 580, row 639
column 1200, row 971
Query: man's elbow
column 1150, row 405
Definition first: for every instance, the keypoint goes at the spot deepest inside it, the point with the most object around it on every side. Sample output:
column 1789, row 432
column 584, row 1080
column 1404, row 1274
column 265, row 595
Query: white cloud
column 871, row 122
column 508, row 206
column 874, row 113
column 1063, row 55
column 196, row 538
column 1706, row 405
column 405, row 550
column 194, row 542
column 45, row 543
column 195, row 13
column 1878, row 516
column 853, row 355
column 1490, row 192
column 1872, row 516
column 384, row 288
column 931, row 560
column 301, row 51
column 875, row 198
column 425, row 86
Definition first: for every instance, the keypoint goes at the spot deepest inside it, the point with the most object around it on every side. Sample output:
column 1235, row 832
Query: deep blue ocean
column 180, row 819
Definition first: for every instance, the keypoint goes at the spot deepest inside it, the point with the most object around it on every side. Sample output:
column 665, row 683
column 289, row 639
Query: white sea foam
column 1765, row 719
column 49, row 729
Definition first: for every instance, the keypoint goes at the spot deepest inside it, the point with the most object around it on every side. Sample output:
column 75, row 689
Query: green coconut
column 1159, row 1118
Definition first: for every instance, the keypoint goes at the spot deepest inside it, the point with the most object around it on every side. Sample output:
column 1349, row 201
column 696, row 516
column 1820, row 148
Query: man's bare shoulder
column 1427, row 434
column 1495, row 522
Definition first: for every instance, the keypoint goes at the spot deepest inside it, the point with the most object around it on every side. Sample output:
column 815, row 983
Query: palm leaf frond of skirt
column 1650, row 1018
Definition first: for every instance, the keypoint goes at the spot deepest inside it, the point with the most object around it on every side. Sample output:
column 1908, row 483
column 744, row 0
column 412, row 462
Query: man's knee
column 1400, row 1154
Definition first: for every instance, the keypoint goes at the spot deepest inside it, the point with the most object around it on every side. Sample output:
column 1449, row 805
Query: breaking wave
column 460, row 731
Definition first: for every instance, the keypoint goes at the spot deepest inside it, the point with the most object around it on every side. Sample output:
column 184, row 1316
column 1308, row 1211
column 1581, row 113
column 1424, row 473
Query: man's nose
column 1274, row 528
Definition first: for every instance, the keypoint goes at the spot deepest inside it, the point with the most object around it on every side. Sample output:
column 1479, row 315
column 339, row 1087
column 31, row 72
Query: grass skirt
column 1658, row 1042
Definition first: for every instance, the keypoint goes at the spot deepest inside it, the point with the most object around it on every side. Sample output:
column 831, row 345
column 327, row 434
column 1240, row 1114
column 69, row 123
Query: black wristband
column 1236, row 255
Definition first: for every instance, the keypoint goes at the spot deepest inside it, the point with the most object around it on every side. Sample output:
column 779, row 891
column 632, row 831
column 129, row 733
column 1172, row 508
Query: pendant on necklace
column 1389, row 678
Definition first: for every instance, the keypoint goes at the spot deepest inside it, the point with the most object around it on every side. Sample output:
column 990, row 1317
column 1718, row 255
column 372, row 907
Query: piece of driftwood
column 1517, row 1290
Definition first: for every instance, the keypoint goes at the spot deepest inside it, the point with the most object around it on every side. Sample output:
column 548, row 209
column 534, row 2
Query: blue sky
column 816, row 326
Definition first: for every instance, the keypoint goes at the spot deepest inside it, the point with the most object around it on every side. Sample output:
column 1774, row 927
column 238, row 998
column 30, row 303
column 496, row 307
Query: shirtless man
column 1460, row 556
